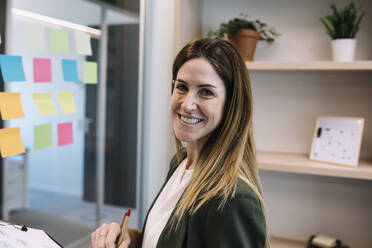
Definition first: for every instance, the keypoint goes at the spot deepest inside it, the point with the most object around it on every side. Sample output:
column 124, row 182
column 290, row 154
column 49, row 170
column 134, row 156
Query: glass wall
column 71, row 69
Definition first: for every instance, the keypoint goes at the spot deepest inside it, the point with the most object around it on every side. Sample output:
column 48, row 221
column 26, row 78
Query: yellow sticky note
column 44, row 103
column 10, row 142
column 10, row 106
column 66, row 102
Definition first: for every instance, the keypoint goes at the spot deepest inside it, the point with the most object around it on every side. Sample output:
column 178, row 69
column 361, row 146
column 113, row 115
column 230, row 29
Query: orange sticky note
column 10, row 105
column 10, row 142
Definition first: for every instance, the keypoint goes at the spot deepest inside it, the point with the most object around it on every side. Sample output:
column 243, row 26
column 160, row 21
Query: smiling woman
column 212, row 196
column 197, row 104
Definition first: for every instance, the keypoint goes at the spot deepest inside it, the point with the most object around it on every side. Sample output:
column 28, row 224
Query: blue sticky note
column 69, row 68
column 12, row 68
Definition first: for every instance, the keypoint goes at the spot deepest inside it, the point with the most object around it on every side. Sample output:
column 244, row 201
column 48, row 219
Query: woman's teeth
column 190, row 120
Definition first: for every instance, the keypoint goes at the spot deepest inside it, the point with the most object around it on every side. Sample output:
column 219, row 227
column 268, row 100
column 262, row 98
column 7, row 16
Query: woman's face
column 197, row 101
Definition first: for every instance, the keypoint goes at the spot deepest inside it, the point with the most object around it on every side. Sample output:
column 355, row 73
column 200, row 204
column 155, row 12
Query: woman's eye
column 206, row 92
column 181, row 87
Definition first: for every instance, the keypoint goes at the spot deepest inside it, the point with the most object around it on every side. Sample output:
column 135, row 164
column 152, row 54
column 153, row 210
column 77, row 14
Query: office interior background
column 122, row 137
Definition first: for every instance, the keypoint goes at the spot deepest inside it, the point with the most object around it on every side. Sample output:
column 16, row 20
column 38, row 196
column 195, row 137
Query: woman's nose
column 189, row 102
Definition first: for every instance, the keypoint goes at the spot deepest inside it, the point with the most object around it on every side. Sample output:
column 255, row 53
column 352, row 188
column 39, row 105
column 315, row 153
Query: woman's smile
column 189, row 120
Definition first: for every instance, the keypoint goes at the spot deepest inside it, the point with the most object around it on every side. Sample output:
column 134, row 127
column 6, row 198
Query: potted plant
column 245, row 34
column 342, row 26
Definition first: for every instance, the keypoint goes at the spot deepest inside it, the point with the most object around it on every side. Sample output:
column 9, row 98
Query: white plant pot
column 343, row 49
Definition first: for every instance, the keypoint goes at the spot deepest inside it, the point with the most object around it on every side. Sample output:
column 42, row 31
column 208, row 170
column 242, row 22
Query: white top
column 165, row 204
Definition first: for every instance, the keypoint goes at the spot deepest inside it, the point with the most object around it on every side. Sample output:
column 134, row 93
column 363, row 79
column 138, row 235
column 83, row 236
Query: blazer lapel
column 147, row 215
column 174, row 237
column 173, row 167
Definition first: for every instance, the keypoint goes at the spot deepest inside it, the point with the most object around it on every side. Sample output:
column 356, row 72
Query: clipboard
column 20, row 236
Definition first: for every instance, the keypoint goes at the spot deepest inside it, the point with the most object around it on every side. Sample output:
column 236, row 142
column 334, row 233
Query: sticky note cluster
column 45, row 105
column 12, row 70
column 35, row 40
column 12, row 66
column 11, row 142
column 11, row 106
column 43, row 135
column 70, row 72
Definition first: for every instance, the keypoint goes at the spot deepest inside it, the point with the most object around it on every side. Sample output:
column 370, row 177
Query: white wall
column 157, row 136
column 188, row 22
column 286, row 105
column 303, row 35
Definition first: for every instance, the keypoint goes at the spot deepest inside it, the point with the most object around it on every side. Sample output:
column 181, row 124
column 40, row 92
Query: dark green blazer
column 241, row 223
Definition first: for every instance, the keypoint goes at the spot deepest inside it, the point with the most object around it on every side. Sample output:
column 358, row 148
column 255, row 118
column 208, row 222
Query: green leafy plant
column 343, row 23
column 233, row 26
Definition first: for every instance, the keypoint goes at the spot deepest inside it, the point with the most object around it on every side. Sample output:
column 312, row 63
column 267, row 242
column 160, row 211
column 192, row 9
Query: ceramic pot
column 343, row 49
column 246, row 42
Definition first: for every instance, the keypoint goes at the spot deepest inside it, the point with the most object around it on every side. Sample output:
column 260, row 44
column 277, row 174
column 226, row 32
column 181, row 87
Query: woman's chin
column 184, row 138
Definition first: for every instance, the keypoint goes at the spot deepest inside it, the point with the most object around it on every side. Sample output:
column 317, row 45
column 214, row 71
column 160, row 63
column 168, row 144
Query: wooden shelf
column 365, row 65
column 300, row 163
column 286, row 243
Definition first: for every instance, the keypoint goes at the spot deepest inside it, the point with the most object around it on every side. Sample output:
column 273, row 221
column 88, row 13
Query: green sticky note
column 42, row 136
column 60, row 41
column 90, row 72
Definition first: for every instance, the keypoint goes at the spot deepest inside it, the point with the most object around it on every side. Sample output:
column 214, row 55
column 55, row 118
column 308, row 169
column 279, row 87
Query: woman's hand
column 106, row 235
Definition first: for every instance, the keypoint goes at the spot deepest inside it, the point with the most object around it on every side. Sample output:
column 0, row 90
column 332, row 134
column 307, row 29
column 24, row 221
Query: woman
column 212, row 196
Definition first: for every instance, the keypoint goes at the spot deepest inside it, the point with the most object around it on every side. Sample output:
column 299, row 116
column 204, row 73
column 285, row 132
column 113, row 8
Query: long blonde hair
column 229, row 153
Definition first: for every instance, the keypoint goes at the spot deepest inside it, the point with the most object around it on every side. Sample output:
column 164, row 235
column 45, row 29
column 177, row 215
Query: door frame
column 3, row 9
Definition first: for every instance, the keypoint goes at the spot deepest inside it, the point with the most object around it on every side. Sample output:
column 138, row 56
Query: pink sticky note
column 42, row 70
column 65, row 136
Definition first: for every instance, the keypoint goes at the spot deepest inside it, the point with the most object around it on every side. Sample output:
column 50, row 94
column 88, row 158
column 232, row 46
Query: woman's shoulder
column 241, row 218
column 243, row 190
column 243, row 197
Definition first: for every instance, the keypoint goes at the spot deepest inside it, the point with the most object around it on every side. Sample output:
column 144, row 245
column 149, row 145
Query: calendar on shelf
column 337, row 140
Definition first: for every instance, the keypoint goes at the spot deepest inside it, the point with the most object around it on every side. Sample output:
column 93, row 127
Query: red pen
column 123, row 226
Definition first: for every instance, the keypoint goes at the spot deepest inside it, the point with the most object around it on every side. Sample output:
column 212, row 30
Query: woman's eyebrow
column 206, row 85
column 200, row 85
column 181, row 81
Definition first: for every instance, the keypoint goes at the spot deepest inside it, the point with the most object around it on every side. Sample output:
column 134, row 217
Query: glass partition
column 78, row 95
